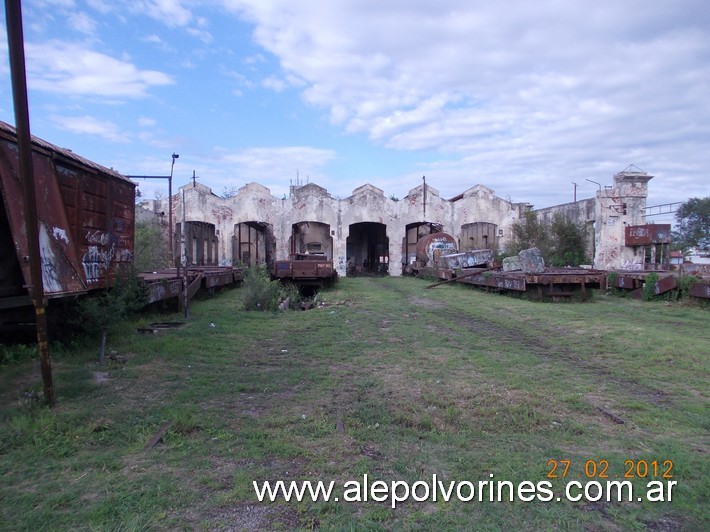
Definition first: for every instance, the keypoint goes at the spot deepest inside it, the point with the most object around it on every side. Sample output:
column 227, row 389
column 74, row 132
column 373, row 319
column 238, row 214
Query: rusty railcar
column 86, row 218
column 438, row 256
column 305, row 269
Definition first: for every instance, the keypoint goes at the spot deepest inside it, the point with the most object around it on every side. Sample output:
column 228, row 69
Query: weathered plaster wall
column 616, row 208
column 582, row 212
column 480, row 204
column 312, row 203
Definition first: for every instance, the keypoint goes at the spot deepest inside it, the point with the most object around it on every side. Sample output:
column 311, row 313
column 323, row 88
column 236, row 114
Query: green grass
column 389, row 380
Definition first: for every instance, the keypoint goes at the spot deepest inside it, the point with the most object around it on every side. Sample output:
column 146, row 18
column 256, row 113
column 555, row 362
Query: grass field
column 388, row 380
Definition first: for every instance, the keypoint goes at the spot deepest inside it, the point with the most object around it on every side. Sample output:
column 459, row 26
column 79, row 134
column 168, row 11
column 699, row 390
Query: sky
column 526, row 98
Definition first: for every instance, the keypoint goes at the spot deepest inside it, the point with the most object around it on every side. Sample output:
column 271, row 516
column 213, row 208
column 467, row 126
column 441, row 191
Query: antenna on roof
column 631, row 167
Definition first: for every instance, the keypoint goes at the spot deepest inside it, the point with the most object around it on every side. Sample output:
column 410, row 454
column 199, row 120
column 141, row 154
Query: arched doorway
column 252, row 244
column 367, row 249
column 413, row 232
column 201, row 243
column 313, row 238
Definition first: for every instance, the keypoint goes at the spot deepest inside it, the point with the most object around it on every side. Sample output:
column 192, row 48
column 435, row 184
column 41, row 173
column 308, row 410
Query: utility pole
column 15, row 38
column 170, row 211
column 424, row 194
column 575, row 191
column 183, row 257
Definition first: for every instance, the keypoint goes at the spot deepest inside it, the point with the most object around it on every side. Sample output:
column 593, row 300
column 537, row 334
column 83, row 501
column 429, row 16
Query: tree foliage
column 529, row 233
column 229, row 192
column 568, row 243
column 693, row 219
column 150, row 248
column 561, row 241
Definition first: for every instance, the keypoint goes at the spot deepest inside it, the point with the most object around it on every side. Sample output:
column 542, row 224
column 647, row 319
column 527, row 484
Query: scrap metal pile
column 438, row 257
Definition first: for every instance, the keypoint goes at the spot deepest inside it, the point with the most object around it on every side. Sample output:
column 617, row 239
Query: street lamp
column 170, row 203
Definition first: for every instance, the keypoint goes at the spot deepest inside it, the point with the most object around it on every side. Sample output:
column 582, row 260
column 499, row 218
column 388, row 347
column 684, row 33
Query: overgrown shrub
column 292, row 294
column 611, row 280
column 101, row 313
column 649, row 286
column 684, row 283
column 10, row 354
column 260, row 292
column 561, row 241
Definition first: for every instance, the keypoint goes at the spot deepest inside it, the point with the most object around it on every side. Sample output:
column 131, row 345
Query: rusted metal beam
column 700, row 290
column 664, row 284
column 13, row 15
column 467, row 274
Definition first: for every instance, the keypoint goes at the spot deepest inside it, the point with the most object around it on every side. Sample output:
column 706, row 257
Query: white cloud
column 89, row 125
column 274, row 84
column 272, row 166
column 102, row 6
column 543, row 89
column 204, row 36
column 524, row 97
column 144, row 121
column 170, row 12
column 70, row 68
column 82, row 23
column 53, row 4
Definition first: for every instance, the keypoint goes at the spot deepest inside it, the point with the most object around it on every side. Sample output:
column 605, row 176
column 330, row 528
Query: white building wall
column 312, row 203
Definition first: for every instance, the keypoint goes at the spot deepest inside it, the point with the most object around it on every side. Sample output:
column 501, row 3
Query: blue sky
column 523, row 97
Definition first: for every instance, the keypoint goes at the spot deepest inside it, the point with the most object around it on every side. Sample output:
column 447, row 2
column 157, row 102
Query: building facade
column 369, row 233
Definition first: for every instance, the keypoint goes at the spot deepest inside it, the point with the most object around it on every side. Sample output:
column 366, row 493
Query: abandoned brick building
column 368, row 232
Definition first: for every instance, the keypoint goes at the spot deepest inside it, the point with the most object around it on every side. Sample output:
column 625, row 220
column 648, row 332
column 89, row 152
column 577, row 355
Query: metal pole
column 170, row 211
column 184, row 258
column 424, row 199
column 13, row 15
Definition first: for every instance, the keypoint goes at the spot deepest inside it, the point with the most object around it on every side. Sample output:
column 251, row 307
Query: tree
column 560, row 241
column 150, row 249
column 229, row 192
column 529, row 232
column 693, row 219
column 568, row 242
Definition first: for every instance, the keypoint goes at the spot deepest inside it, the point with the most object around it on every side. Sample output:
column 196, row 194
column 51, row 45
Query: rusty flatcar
column 86, row 223
column 305, row 269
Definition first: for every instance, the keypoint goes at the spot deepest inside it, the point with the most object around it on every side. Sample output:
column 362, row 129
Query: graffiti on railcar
column 511, row 284
column 50, row 275
column 100, row 254
column 60, row 234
